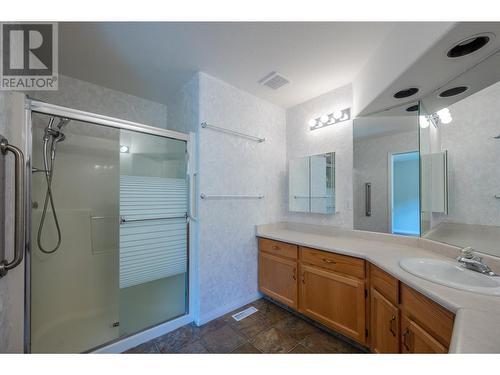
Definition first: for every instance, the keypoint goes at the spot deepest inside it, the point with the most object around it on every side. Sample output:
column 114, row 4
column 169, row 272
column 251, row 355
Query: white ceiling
column 153, row 60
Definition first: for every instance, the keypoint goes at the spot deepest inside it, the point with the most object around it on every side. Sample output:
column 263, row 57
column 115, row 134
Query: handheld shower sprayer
column 52, row 136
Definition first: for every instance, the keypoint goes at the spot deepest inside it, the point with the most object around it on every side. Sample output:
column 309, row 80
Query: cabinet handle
column 276, row 247
column 294, row 273
column 392, row 323
column 303, row 277
column 406, row 334
column 328, row 261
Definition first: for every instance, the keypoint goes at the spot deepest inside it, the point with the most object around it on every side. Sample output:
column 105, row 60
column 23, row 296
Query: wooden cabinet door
column 384, row 324
column 335, row 300
column 278, row 278
column 415, row 339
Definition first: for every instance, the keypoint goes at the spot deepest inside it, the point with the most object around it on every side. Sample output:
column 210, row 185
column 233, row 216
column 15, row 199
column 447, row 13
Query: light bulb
column 424, row 122
column 324, row 119
column 312, row 122
column 444, row 116
column 337, row 115
column 124, row 149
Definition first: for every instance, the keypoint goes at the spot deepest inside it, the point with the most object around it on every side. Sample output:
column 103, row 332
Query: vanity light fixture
column 124, row 149
column 423, row 121
column 330, row 119
column 442, row 116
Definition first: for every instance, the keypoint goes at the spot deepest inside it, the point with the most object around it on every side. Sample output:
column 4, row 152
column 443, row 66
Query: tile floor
column 270, row 330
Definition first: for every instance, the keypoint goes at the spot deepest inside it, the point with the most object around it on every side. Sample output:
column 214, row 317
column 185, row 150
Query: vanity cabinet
column 278, row 271
column 333, row 299
column 354, row 298
column 332, row 291
column 426, row 327
column 384, row 315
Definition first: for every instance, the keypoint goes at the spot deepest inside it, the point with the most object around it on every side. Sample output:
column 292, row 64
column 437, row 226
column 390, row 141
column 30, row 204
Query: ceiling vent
column 274, row 81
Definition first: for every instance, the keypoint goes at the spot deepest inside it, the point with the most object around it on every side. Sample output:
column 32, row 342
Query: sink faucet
column 469, row 260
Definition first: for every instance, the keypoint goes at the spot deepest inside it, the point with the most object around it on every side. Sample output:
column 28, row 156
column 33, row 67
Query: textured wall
column 183, row 109
column 234, row 165
column 300, row 141
column 371, row 158
column 86, row 96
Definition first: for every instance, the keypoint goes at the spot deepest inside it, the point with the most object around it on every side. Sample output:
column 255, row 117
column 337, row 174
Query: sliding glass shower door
column 116, row 202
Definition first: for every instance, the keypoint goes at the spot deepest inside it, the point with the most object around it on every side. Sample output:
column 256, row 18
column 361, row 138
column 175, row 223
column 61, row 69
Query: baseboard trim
column 144, row 336
column 203, row 319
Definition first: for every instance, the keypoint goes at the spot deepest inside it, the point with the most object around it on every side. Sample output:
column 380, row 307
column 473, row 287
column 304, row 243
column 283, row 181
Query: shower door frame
column 126, row 342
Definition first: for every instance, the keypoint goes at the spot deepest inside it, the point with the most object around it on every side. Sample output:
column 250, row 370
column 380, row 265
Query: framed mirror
column 312, row 184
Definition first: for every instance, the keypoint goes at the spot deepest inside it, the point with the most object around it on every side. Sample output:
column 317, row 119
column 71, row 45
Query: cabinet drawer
column 385, row 284
column 335, row 262
column 428, row 314
column 278, row 248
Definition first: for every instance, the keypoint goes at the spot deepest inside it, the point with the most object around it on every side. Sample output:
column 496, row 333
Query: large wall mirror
column 312, row 184
column 386, row 172
column 460, row 151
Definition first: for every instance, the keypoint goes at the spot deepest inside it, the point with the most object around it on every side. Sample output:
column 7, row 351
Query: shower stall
column 107, row 229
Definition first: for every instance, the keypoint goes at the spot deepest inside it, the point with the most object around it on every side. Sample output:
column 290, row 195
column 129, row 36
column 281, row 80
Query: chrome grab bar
column 123, row 220
column 368, row 199
column 19, row 207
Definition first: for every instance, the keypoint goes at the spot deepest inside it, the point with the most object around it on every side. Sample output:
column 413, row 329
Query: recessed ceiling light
column 413, row 108
column 468, row 46
column 406, row 93
column 453, row 91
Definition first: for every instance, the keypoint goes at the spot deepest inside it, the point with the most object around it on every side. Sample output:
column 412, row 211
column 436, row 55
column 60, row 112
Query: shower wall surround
column 300, row 141
column 233, row 165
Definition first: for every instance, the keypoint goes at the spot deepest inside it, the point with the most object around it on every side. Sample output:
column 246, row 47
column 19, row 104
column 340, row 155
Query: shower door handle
column 19, row 207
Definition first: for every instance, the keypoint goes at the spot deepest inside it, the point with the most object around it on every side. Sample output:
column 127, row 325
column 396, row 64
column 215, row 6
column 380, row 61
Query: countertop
column 477, row 321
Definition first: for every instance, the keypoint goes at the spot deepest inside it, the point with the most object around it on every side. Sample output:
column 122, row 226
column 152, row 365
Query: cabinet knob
column 303, row 277
column 294, row 273
column 276, row 247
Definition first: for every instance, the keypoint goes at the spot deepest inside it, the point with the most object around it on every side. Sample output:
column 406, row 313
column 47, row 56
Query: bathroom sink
column 450, row 274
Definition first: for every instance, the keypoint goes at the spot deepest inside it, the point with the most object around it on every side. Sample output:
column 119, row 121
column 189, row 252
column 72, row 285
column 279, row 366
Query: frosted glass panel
column 153, row 231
